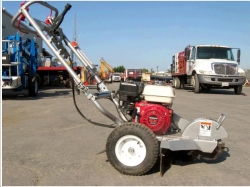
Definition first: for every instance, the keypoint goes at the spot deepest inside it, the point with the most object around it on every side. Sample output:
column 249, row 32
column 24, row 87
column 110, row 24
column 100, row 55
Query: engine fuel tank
column 159, row 94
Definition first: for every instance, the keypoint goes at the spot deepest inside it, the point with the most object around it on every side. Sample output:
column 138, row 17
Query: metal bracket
column 162, row 166
column 220, row 120
column 165, row 160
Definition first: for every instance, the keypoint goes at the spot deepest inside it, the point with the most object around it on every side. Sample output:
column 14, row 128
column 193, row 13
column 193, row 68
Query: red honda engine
column 155, row 116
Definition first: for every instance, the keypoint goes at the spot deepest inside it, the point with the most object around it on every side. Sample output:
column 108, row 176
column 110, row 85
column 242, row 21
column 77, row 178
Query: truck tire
column 177, row 82
column 196, row 84
column 132, row 149
column 205, row 88
column 238, row 90
column 40, row 79
column 33, row 85
column 182, row 82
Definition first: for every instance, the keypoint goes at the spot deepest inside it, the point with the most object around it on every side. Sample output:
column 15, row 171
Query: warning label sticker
column 205, row 128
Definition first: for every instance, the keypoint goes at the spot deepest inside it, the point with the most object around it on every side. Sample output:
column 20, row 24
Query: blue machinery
column 19, row 64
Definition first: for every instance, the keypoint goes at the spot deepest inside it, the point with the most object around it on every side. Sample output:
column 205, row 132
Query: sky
column 146, row 34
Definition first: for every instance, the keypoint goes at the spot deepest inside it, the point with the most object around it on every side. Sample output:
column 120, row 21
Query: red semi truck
column 132, row 75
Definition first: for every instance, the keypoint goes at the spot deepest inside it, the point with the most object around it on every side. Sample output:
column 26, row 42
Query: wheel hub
column 130, row 150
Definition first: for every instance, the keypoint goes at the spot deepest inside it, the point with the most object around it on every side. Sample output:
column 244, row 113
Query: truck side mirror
column 238, row 56
column 187, row 53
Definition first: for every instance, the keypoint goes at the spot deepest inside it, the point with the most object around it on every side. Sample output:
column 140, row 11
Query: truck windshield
column 214, row 52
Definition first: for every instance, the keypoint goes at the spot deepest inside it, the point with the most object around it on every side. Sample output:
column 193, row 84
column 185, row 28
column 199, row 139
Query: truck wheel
column 182, row 82
column 33, row 86
column 238, row 90
column 196, row 84
column 40, row 79
column 205, row 88
column 177, row 83
column 132, row 149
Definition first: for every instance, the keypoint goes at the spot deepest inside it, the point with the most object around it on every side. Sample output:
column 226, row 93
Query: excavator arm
column 102, row 68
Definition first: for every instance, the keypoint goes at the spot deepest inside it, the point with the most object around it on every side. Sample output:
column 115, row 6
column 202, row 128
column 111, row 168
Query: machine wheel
column 177, row 82
column 196, row 84
column 238, row 90
column 132, row 149
column 33, row 86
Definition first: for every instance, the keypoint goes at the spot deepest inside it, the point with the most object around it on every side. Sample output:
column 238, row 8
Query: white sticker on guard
column 205, row 128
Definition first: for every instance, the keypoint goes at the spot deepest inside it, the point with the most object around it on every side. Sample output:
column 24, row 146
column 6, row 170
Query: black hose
column 84, row 117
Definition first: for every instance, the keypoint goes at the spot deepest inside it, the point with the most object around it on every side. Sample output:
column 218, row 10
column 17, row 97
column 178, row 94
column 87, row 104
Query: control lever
column 59, row 19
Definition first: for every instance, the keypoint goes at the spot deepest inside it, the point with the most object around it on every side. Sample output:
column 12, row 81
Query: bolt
column 131, row 150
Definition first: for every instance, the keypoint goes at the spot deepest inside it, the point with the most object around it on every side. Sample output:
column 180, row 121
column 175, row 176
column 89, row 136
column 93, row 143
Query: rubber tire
column 196, row 84
column 40, row 80
column 177, row 83
column 33, row 86
column 206, row 89
column 182, row 82
column 238, row 90
column 148, row 138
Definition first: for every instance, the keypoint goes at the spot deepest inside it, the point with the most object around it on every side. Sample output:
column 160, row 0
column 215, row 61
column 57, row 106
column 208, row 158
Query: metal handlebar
column 23, row 9
column 57, row 41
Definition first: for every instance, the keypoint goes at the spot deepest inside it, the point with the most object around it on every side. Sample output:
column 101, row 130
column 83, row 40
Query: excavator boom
column 104, row 65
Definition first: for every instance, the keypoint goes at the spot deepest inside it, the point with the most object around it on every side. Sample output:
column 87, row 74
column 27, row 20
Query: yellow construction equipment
column 106, row 75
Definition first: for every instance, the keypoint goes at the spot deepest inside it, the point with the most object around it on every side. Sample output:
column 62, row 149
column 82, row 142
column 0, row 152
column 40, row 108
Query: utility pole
column 74, row 38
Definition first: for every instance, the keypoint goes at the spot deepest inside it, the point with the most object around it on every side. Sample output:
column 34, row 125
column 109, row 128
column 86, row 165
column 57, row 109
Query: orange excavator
column 106, row 75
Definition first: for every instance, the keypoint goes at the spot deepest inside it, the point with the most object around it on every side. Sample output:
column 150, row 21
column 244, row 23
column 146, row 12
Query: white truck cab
column 116, row 77
column 209, row 66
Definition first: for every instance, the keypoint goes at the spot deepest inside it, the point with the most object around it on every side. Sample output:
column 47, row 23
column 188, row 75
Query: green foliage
column 56, row 60
column 144, row 70
column 120, row 69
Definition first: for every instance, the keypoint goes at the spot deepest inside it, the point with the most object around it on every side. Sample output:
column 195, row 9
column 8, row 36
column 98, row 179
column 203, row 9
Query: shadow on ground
column 42, row 93
column 215, row 91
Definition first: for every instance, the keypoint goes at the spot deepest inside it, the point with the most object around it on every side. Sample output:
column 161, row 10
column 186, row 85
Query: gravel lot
column 46, row 142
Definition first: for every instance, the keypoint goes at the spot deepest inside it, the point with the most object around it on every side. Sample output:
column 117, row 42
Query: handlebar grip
column 60, row 18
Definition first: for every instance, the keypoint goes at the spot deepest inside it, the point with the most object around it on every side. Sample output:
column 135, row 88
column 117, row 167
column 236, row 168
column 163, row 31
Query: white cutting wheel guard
column 130, row 150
